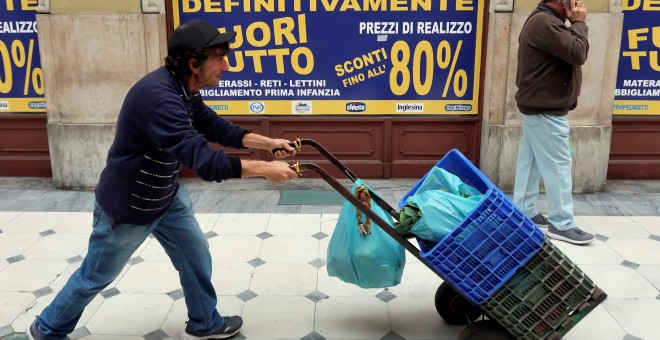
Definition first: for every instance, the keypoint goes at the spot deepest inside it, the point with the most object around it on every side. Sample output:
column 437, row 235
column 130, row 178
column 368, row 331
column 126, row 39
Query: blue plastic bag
column 444, row 201
column 441, row 179
column 442, row 212
column 375, row 260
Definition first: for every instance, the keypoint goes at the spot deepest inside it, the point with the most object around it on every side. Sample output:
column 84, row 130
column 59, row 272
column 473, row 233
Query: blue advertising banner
column 638, row 81
column 345, row 56
column 21, row 78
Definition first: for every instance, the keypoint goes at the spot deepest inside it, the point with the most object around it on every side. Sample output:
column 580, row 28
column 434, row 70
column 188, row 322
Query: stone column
column 92, row 52
column 591, row 122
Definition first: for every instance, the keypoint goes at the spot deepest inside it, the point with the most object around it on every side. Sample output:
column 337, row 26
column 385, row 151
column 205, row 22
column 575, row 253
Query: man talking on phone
column 549, row 76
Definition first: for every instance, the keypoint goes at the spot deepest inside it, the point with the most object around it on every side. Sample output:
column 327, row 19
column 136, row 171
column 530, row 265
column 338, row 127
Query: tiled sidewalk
column 270, row 268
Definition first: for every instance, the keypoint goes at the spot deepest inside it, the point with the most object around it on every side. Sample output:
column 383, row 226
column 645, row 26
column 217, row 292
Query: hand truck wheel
column 453, row 307
column 485, row 330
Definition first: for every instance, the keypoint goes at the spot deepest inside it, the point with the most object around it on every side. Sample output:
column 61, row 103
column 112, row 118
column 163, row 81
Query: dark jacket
column 161, row 126
column 550, row 54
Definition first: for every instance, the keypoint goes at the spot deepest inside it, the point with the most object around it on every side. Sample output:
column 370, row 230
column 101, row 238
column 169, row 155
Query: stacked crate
column 500, row 260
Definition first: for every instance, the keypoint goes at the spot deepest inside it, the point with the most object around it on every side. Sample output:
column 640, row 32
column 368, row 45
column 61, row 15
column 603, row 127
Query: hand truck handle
column 298, row 143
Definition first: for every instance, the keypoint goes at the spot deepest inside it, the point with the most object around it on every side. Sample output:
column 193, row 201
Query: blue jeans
column 544, row 152
column 111, row 246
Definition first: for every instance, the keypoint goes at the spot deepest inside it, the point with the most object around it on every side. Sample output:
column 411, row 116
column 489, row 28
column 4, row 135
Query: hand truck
column 497, row 264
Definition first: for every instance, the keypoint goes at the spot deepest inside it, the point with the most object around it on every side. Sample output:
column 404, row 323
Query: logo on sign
column 37, row 105
column 257, row 107
column 4, row 105
column 301, row 107
column 409, row 107
column 458, row 107
column 356, row 107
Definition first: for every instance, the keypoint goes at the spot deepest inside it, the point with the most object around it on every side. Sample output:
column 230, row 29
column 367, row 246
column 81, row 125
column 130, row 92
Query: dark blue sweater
column 161, row 126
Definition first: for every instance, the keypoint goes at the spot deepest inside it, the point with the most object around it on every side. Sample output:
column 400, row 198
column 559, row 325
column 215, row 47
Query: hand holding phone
column 575, row 11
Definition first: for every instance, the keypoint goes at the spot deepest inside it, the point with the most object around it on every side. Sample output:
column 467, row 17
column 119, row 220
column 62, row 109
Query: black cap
column 194, row 35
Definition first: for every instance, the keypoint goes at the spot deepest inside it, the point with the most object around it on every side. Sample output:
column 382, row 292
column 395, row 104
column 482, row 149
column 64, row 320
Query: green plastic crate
column 545, row 298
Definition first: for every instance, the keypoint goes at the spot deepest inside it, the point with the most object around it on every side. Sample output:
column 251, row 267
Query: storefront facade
column 387, row 86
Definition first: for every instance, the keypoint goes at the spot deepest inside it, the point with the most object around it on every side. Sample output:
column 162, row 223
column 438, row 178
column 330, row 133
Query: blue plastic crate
column 493, row 241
